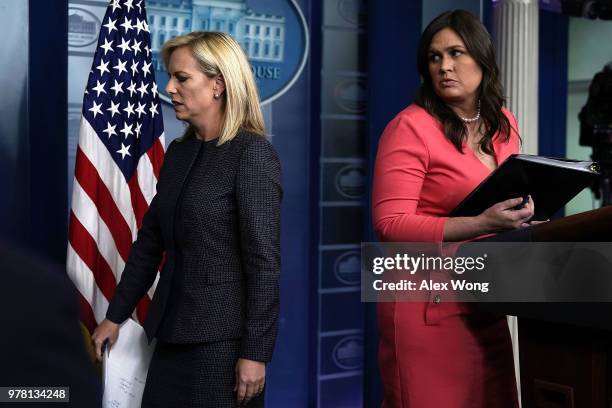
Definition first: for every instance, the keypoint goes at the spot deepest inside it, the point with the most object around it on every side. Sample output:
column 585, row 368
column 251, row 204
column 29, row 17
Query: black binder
column 551, row 182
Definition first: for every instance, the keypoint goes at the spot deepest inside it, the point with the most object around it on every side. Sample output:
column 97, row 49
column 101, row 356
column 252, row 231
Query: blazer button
column 437, row 299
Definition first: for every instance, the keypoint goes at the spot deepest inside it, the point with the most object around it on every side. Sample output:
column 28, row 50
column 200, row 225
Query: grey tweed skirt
column 194, row 375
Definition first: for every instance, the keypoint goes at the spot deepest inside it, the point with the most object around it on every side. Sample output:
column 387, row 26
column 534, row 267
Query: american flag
column 119, row 155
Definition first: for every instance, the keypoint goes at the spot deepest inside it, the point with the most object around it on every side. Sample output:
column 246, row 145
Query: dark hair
column 490, row 92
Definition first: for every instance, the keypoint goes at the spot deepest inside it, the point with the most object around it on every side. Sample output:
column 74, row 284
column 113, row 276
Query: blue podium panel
column 343, row 50
column 343, row 309
column 343, row 181
column 340, row 268
column 342, row 224
column 341, row 369
column 343, row 138
column 341, row 353
column 340, row 391
column 344, row 95
column 343, row 208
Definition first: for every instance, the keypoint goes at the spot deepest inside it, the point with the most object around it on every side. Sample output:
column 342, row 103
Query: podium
column 565, row 348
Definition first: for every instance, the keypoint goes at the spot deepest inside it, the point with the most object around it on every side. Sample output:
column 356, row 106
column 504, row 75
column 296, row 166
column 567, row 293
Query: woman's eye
column 434, row 57
column 181, row 78
column 456, row 53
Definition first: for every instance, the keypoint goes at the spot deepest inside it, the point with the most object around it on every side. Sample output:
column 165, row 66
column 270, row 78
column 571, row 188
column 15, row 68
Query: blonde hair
column 218, row 53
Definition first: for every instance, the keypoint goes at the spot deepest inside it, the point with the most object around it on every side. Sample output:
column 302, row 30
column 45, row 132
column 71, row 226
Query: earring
column 216, row 96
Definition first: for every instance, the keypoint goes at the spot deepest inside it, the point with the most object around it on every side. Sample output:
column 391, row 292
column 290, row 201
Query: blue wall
column 288, row 378
column 431, row 9
column 552, row 89
column 394, row 29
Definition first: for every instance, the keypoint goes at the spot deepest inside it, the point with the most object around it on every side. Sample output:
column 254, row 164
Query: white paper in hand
column 125, row 367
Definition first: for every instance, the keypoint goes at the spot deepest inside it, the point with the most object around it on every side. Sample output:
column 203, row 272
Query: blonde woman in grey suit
column 216, row 216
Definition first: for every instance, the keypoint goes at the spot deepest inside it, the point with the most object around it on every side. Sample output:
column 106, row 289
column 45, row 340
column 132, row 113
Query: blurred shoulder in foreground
column 41, row 343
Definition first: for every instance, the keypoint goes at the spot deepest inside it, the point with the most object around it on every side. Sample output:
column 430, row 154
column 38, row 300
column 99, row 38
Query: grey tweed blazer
column 216, row 216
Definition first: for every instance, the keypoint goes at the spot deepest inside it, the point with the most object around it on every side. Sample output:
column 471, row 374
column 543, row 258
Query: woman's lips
column 447, row 83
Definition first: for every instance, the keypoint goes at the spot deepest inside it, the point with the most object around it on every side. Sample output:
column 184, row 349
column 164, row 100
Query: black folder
column 551, row 182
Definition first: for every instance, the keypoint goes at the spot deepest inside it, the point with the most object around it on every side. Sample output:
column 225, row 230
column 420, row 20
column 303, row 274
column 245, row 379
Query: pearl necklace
column 474, row 119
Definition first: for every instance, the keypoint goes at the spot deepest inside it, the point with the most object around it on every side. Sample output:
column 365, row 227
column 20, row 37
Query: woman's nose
column 170, row 89
column 446, row 64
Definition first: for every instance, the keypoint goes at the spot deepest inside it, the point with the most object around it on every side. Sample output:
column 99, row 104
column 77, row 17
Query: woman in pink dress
column 444, row 354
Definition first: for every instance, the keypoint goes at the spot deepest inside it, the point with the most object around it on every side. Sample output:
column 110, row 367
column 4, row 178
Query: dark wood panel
column 563, row 366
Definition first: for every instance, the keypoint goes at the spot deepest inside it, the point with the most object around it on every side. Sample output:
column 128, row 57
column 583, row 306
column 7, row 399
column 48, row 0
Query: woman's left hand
column 531, row 206
column 250, row 379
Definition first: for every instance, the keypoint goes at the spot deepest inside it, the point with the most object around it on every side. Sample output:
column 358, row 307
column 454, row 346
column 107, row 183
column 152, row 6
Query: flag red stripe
column 139, row 204
column 86, row 314
column 142, row 308
column 162, row 263
column 156, row 155
column 87, row 249
column 87, row 176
